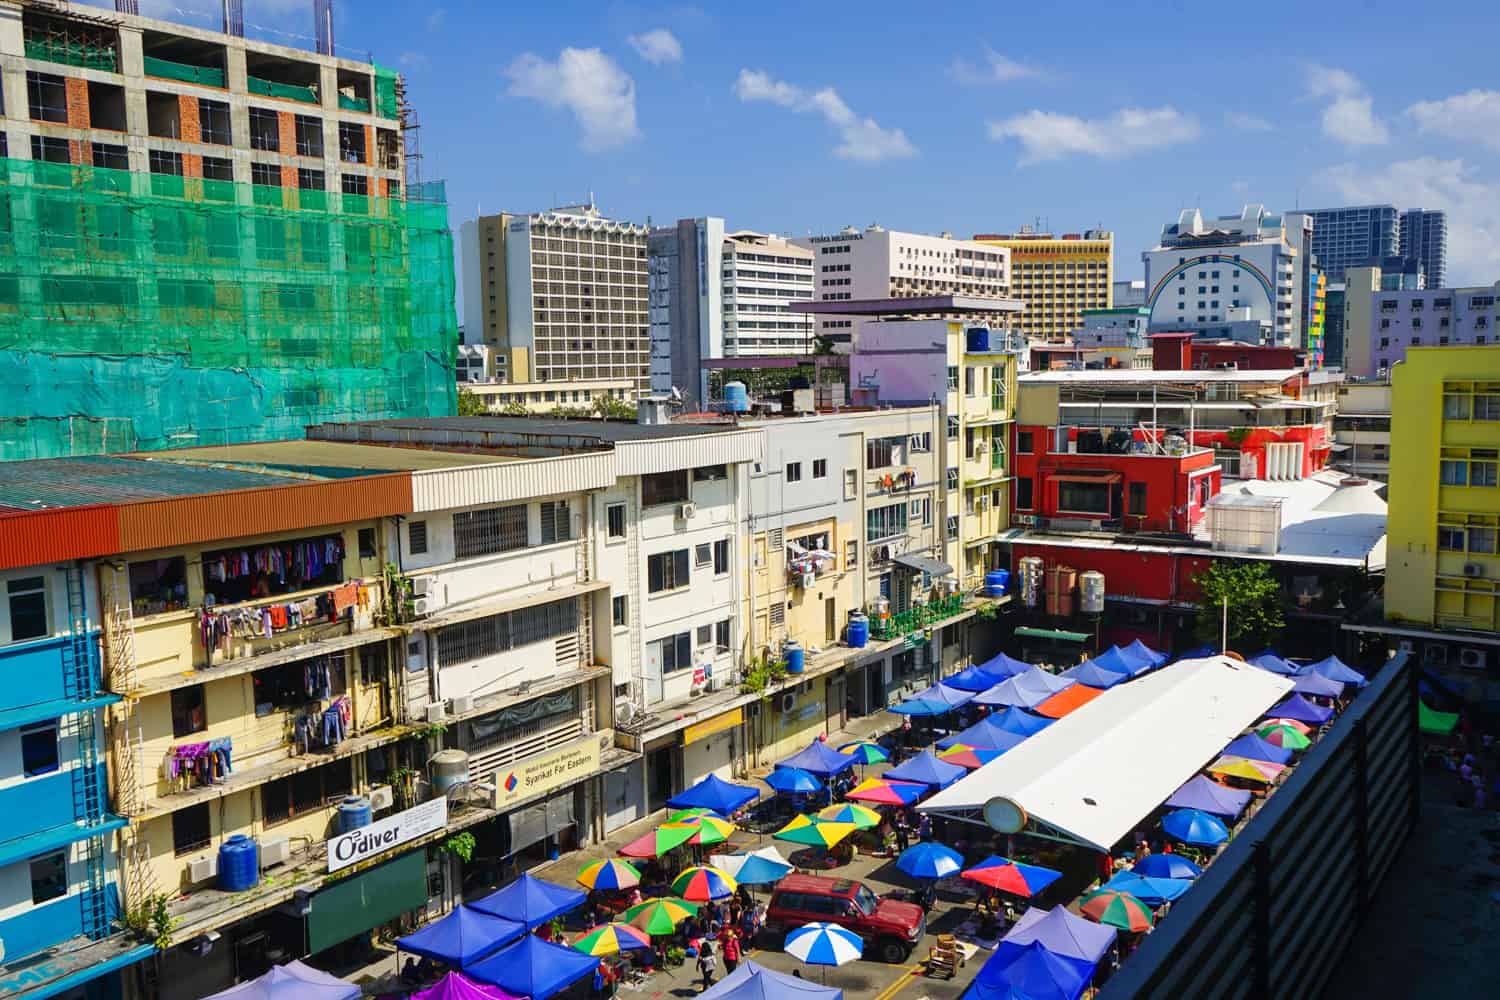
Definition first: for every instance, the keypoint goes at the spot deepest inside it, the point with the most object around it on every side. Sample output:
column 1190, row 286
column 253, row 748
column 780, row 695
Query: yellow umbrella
column 863, row 817
column 1250, row 770
column 814, row 832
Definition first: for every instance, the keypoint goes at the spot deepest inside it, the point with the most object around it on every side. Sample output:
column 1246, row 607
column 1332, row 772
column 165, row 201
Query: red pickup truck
column 892, row 928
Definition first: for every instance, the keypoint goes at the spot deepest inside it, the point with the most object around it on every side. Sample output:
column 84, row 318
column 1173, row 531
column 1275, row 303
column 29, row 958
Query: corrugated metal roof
column 602, row 430
column 52, row 483
column 328, row 459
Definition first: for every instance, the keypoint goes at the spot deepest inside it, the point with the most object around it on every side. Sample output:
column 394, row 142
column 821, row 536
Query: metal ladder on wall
column 79, row 664
column 120, row 666
column 633, row 589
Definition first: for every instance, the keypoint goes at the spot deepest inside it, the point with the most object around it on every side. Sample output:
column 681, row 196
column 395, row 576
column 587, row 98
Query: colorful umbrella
column 970, row 757
column 1194, row 826
column 607, row 939
column 930, row 860
column 866, row 752
column 1166, row 866
column 758, row 867
column 707, row 829
column 823, row 944
column 1296, row 724
column 863, row 817
column 609, row 874
column 665, row 838
column 659, row 916
column 1011, row 876
column 1285, row 736
column 1117, row 909
column 683, row 815
column 886, row 793
column 793, row 780
column 814, row 832
column 1243, row 767
column 702, row 883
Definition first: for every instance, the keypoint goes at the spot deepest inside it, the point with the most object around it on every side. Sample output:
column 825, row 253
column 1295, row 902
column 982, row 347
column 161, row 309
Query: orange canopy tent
column 1067, row 700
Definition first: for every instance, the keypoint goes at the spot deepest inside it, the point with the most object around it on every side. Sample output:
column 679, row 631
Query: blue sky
column 808, row 117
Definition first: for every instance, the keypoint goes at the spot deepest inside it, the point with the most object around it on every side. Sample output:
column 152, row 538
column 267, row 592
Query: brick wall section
column 78, row 102
column 81, row 152
column 192, row 122
column 192, row 163
column 369, row 144
column 288, row 181
column 286, row 123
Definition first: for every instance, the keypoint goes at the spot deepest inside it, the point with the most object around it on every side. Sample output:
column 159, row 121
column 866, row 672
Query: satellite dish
column 1005, row 815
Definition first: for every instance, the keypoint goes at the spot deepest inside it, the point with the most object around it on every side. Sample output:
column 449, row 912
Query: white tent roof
column 1098, row 771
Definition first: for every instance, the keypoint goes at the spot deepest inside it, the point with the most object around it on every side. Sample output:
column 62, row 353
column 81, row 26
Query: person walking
column 730, row 942
column 706, row 963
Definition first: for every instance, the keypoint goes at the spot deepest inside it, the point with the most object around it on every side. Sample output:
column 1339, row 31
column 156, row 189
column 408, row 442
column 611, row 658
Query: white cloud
column 861, row 139
column 1246, row 122
column 415, row 61
column 587, row 83
column 1048, row 135
column 996, row 68
column 657, row 46
column 1350, row 114
column 436, row 18
column 1471, row 117
column 1472, row 204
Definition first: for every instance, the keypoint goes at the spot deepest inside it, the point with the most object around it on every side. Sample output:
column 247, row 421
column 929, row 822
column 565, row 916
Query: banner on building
column 367, row 841
column 545, row 772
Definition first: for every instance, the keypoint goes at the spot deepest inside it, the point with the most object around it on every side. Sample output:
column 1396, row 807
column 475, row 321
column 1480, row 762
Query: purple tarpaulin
column 457, row 986
column 1310, row 683
column 1026, row 690
column 1063, row 933
column 1297, row 707
column 1207, row 795
column 1336, row 669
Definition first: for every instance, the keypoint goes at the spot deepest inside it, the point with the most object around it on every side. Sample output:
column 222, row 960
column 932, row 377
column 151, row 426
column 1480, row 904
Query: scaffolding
column 145, row 311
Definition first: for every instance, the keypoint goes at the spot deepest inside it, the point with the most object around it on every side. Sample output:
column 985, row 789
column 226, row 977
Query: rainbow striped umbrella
column 970, row 757
column 863, row 817
column 609, row 874
column 1117, row 909
column 608, row 939
column 683, row 815
column 709, row 828
column 665, row 838
column 886, row 793
column 1244, row 767
column 1284, row 736
column 1296, row 724
column 866, row 752
column 659, row 916
column 814, row 832
column 701, row 884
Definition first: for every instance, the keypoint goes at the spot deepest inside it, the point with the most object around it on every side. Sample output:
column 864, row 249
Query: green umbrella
column 1284, row 736
column 663, row 839
column 659, row 916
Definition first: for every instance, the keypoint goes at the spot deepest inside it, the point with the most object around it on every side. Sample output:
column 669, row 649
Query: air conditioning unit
column 421, row 607
column 275, row 851
column 462, row 703
column 381, row 797
column 1473, row 569
column 687, row 511
column 788, row 701
column 423, row 586
column 1471, row 658
column 1434, row 655
column 203, row 869
column 624, row 711
column 436, row 712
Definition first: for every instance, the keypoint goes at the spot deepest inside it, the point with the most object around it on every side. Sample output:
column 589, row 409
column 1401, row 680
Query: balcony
column 905, row 623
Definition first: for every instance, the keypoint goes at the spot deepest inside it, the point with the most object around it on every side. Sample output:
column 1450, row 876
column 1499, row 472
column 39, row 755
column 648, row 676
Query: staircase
column 120, row 667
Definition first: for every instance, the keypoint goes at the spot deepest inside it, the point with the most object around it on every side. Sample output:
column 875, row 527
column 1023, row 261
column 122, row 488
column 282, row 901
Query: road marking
column 907, row 975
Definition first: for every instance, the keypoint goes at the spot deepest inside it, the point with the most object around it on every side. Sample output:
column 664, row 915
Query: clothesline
column 217, row 627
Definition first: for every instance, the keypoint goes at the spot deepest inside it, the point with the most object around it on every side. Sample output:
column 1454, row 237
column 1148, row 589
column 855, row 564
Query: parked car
column 890, row 929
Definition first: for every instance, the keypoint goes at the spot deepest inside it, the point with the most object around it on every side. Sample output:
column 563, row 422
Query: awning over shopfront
column 926, row 564
column 1055, row 634
column 369, row 899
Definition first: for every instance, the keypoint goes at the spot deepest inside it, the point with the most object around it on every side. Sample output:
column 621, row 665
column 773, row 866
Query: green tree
column 1254, row 596
column 470, row 405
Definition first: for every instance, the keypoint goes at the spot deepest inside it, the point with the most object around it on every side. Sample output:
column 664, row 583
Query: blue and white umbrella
column 824, row 944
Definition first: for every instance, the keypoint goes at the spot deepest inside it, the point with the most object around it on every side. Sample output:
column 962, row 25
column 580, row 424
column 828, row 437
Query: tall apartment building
column 1382, row 324
column 877, row 263
column 714, row 295
column 1424, row 236
column 1353, row 235
column 211, row 239
column 1251, row 267
column 1058, row 277
column 1130, row 292
column 558, row 297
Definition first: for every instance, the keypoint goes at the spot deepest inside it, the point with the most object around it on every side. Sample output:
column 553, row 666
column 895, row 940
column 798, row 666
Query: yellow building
column 1058, row 277
column 984, row 402
column 1444, row 527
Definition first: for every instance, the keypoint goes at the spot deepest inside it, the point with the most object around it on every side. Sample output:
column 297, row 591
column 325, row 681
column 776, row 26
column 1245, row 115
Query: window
column 952, row 477
column 50, row 149
column 39, row 748
column 1450, row 539
column 1456, row 407
column 49, row 877
column 1482, row 540
column 1023, row 494
column 1083, row 498
column 481, row 637
column 703, row 554
column 557, row 521
column 1137, row 500
column 265, row 130
column 921, row 511
column 952, row 378
column 820, row 468
column 885, row 522
column 952, row 527
column 794, row 472
column 721, row 636
column 218, row 168
column 883, row 452
column 710, row 473
column 674, row 651
column 158, row 585
column 851, row 484
column 354, row 184
column 1453, row 473
column 265, row 174
column 109, row 157
column 851, row 553
column 614, row 517
column 1487, row 407
column 920, row 443
column 705, row 635
column 1024, row 442
column 721, row 557
column 306, row 791
column 27, row 599
column 620, row 607
column 213, row 122
column 664, row 487
column 311, row 180
column 666, row 571
column 952, row 428
column 1482, row 473
column 190, row 830
column 187, row 711
column 493, row 529
column 352, row 143
column 309, row 135
column 970, row 380
column 416, row 537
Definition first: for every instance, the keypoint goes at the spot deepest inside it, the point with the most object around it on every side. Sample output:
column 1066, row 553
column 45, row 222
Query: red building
column 1180, row 352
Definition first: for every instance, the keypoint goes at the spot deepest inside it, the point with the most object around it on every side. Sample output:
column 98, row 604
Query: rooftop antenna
column 323, row 24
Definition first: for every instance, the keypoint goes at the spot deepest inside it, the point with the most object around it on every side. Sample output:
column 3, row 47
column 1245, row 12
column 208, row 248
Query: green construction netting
column 354, row 103
column 385, row 92
column 73, row 52
column 167, row 70
column 144, row 315
column 291, row 91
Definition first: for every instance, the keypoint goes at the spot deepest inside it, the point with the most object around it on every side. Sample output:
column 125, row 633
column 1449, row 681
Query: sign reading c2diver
column 543, row 773
column 367, row 841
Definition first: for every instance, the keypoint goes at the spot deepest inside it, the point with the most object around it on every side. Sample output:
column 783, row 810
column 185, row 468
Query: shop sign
column 717, row 724
column 536, row 775
column 367, row 841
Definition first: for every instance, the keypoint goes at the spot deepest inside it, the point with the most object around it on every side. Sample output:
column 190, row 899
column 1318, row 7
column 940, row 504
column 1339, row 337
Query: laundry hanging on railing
column 295, row 561
column 320, row 730
column 217, row 627
column 193, row 764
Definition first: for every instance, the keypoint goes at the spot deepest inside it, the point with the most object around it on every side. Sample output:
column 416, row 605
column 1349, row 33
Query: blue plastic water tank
column 795, row 659
column 978, row 339
column 239, row 864
column 737, row 396
column 996, row 582
column 354, row 812
column 859, row 630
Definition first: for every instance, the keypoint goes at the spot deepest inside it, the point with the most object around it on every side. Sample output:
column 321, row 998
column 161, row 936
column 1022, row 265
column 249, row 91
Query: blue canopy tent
column 1207, row 795
column 1294, row 706
column 985, row 735
column 1004, row 665
column 1019, row 721
column 920, row 707
column 463, row 936
column 793, row 781
column 1252, row 746
column 951, row 696
column 533, row 968
column 1307, row 682
column 1151, row 891
column 975, row 679
column 756, row 982
column 713, row 792
column 1113, row 659
column 1091, row 674
column 1335, row 669
column 1138, row 650
column 1062, row 932
column 820, row 759
column 1026, row 690
column 1268, row 660
column 1032, row 971
column 1197, row 653
column 926, row 769
column 530, row 901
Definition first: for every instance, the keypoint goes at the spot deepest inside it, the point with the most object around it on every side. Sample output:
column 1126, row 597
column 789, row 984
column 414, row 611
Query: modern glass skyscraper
column 1424, row 235
column 1347, row 237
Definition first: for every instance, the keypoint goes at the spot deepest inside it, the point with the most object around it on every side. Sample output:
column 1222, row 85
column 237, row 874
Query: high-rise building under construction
column 207, row 239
